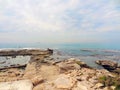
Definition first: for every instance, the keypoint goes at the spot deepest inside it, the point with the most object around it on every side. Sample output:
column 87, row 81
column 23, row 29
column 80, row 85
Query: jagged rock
column 66, row 66
column 107, row 64
column 71, row 64
column 77, row 61
column 16, row 85
column 76, row 75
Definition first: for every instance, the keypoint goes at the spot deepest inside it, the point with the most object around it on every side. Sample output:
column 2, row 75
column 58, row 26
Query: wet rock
column 109, row 65
column 23, row 52
column 13, row 66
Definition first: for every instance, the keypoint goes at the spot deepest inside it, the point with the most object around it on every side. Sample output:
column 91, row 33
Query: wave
column 100, row 50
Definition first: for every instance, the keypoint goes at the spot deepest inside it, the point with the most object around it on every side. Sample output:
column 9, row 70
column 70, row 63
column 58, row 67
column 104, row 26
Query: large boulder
column 107, row 64
column 71, row 64
column 16, row 85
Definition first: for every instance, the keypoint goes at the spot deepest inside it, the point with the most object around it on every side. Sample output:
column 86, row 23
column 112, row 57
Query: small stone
column 99, row 85
column 106, row 88
column 36, row 80
column 113, row 87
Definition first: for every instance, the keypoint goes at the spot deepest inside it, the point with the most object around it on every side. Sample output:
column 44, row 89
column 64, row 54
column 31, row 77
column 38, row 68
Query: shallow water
column 61, row 52
column 88, row 56
column 8, row 60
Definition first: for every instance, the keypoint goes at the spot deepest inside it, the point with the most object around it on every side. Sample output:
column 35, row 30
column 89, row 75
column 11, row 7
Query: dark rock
column 13, row 66
column 50, row 51
column 109, row 65
column 24, row 52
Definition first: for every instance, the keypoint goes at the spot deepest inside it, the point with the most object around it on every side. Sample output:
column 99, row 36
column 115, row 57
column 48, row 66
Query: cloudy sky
column 59, row 21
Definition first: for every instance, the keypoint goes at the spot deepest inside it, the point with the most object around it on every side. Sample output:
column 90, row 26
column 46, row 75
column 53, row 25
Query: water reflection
column 7, row 61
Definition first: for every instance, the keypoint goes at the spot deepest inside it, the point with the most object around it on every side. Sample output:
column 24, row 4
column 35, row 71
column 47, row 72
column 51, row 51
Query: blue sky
column 59, row 21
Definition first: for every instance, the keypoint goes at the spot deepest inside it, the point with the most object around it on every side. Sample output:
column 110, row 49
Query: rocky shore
column 110, row 65
column 13, row 52
column 44, row 73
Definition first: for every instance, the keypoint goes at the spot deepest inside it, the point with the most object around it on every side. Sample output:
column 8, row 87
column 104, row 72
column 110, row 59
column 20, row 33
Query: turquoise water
column 86, row 52
column 111, row 46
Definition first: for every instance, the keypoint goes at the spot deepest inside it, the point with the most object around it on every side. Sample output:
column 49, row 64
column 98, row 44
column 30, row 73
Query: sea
column 87, row 52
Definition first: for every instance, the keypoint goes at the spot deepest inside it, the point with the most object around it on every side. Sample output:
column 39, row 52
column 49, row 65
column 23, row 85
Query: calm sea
column 86, row 52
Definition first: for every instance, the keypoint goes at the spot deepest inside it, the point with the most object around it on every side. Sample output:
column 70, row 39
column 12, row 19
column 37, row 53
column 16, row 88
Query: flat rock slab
column 16, row 85
column 64, row 82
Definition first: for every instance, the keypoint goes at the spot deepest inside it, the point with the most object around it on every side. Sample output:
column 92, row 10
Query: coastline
column 44, row 72
column 89, row 56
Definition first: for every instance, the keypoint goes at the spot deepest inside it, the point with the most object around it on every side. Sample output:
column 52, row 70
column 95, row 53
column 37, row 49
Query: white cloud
column 58, row 16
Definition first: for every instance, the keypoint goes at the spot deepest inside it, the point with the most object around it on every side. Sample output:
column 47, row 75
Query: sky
column 59, row 21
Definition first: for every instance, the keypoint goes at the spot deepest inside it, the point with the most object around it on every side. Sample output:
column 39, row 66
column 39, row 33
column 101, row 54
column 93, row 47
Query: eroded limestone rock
column 16, row 85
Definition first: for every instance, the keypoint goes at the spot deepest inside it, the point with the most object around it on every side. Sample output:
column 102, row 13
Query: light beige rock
column 106, row 88
column 36, row 80
column 47, row 76
column 39, row 87
column 113, row 87
column 64, row 82
column 17, row 85
column 80, row 86
column 98, row 85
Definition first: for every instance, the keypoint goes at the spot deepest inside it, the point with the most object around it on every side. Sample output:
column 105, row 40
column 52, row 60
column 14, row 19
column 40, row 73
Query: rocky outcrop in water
column 109, row 65
column 23, row 52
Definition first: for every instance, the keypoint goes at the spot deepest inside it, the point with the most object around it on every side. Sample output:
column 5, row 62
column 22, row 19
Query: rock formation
column 109, row 65
column 48, row 74
column 13, row 52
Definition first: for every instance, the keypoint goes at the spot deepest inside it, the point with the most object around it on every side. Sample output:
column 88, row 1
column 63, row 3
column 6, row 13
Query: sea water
column 8, row 61
column 86, row 52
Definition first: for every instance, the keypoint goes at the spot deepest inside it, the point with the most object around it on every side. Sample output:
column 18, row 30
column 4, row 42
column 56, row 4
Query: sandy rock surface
column 16, row 85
